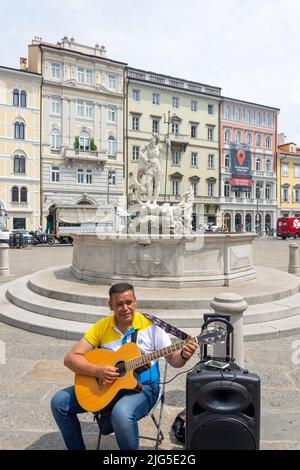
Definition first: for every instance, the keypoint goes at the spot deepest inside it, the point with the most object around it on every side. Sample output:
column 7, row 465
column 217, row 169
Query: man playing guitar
column 111, row 333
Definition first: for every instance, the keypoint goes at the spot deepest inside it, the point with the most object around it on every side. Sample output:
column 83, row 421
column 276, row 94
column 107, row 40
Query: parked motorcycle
column 39, row 238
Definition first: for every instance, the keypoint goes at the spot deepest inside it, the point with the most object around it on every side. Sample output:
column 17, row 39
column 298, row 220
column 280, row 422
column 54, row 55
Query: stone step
column 19, row 293
column 58, row 283
column 66, row 329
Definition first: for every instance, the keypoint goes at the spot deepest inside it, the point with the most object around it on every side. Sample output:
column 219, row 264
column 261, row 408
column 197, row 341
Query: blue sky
column 249, row 48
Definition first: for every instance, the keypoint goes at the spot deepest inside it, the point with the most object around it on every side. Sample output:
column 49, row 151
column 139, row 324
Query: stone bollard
column 234, row 305
column 293, row 259
column 4, row 260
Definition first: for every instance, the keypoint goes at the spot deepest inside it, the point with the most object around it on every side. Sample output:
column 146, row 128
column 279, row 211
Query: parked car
column 4, row 234
column 26, row 234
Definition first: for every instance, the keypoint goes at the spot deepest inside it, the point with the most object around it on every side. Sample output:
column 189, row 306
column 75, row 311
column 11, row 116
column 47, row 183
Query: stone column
column 234, row 305
column 4, row 260
column 293, row 259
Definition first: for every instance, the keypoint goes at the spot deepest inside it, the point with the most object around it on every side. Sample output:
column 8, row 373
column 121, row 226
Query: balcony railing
column 85, row 155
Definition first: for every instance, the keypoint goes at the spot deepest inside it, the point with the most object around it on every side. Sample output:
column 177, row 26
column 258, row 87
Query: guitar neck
column 145, row 359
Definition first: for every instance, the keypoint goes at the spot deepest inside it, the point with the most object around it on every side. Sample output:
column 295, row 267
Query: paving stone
column 15, row 369
column 274, row 398
column 25, row 391
column 49, row 371
column 294, row 374
column 280, row 425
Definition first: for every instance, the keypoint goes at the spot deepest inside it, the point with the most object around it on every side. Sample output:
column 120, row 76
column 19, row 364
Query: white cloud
column 249, row 48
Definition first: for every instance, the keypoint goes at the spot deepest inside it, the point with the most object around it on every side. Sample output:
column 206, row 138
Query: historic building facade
column 82, row 124
column 288, row 171
column 19, row 148
column 185, row 117
column 253, row 127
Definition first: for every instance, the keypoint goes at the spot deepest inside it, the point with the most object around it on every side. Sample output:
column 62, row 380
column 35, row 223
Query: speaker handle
column 229, row 327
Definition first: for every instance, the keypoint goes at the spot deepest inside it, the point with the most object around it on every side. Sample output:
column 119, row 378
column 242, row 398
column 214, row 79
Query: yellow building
column 185, row 116
column 288, row 171
column 20, row 147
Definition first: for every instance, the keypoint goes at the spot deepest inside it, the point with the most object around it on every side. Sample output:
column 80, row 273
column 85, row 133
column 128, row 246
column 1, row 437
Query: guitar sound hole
column 121, row 367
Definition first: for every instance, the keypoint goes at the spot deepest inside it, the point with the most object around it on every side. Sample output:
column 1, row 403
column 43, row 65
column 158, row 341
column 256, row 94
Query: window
column 194, row 105
column 135, row 152
column 175, row 157
column 268, row 142
column 297, row 171
column 16, row 98
column 194, row 185
column 210, row 189
column 175, row 102
column 297, row 195
column 258, row 140
column 210, row 109
column 238, row 115
column 55, row 105
column 155, row 126
column 227, row 161
column 258, row 119
column 84, row 109
column 80, row 74
column 238, row 137
column 258, row 191
column 285, row 195
column 268, row 165
column 80, row 176
column 23, row 99
column 111, row 114
column 194, row 159
column 227, row 113
column 136, row 95
column 112, row 177
column 248, row 116
column 211, row 161
column 15, row 194
column 210, row 133
column 84, row 141
column 55, row 139
column 226, row 189
column 285, row 169
column 80, row 109
column 89, row 76
column 135, row 123
column 193, row 131
column 19, row 164
column 24, row 194
column 268, row 191
column 55, row 70
column 156, row 98
column 88, row 110
column 269, row 120
column 19, row 130
column 111, row 146
column 175, row 128
column 112, row 81
column 55, row 174
column 88, row 177
column 19, row 223
column 227, row 136
column 258, row 164
column 249, row 138
column 175, row 187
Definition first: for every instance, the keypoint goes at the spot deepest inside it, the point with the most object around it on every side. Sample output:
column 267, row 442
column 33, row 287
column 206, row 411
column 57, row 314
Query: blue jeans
column 122, row 420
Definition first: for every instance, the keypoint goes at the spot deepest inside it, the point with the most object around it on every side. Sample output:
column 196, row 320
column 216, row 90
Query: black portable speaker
column 222, row 406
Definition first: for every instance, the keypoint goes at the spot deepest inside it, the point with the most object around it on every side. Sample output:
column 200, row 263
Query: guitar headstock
column 212, row 336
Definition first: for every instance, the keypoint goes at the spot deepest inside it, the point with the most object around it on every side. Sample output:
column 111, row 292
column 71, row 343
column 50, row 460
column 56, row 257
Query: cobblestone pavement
column 33, row 371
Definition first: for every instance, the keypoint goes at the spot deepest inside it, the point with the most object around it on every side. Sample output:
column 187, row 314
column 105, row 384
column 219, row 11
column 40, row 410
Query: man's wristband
column 184, row 358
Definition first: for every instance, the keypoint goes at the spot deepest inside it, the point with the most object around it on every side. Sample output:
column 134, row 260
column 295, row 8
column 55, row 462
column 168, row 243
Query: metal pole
column 168, row 122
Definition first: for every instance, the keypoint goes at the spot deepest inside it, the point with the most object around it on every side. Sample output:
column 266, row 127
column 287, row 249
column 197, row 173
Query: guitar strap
column 166, row 326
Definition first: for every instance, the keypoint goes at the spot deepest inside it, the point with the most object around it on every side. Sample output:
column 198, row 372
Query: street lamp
column 169, row 120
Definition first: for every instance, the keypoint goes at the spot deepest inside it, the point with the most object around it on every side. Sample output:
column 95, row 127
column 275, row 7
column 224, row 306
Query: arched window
column 15, row 194
column 19, row 130
column 258, row 164
column 268, row 223
column 84, row 141
column 227, row 221
column 19, row 164
column 249, row 138
column 258, row 191
column 258, row 140
column 23, row 194
column 238, row 223
column 227, row 161
column 23, row 99
column 268, row 191
column 238, row 137
column 16, row 98
column 55, row 139
column 268, row 142
column 268, row 165
column 226, row 189
column 248, row 221
column 111, row 146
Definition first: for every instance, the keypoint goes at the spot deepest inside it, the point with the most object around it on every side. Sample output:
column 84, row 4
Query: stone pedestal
column 294, row 267
column 4, row 259
column 233, row 305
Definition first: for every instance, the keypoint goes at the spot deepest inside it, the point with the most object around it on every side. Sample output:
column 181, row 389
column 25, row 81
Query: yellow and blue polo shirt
column 150, row 337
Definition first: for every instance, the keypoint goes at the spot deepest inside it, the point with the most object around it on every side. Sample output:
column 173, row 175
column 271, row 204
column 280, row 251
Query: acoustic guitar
column 93, row 395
